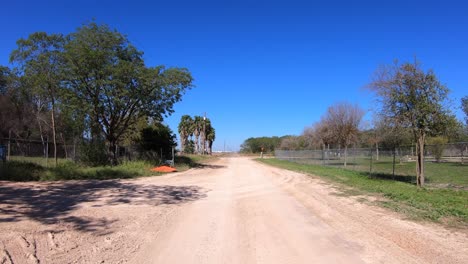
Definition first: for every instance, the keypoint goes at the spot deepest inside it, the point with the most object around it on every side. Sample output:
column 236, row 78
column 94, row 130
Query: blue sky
column 268, row 68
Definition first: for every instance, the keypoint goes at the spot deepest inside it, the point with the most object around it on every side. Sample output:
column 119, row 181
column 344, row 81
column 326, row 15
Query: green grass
column 443, row 174
column 39, row 160
column 449, row 206
column 66, row 170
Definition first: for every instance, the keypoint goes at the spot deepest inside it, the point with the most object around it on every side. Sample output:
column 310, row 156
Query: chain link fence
column 42, row 152
column 444, row 164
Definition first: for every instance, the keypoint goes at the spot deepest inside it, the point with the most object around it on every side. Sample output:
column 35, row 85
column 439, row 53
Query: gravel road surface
column 234, row 210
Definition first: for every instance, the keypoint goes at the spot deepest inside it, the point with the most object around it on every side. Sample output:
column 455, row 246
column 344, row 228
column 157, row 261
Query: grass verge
column 67, row 170
column 439, row 205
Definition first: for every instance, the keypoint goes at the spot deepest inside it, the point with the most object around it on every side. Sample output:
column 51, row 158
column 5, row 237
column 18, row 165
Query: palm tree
column 185, row 130
column 197, row 132
column 210, row 137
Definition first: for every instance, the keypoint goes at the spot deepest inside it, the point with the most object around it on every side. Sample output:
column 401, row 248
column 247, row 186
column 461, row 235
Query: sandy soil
column 233, row 211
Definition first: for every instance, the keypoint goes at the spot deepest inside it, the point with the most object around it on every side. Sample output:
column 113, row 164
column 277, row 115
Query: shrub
column 94, row 154
column 437, row 147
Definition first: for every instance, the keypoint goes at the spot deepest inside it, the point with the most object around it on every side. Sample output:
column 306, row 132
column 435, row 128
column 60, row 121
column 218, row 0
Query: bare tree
column 342, row 122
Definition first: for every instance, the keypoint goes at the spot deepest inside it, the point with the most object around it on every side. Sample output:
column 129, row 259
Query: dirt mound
column 164, row 169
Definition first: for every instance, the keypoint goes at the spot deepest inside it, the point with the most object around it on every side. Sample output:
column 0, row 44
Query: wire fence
column 444, row 164
column 42, row 152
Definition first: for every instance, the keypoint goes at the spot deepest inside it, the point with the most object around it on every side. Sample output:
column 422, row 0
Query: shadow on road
column 52, row 203
column 209, row 166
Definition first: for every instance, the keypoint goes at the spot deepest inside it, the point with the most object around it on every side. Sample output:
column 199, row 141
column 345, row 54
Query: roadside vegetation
column 32, row 170
column 448, row 206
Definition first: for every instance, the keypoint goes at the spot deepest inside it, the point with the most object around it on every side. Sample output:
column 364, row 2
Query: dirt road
column 233, row 211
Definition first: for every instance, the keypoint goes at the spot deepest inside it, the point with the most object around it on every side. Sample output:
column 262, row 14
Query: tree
column 261, row 144
column 185, row 131
column 412, row 98
column 157, row 138
column 197, row 128
column 343, row 121
column 203, row 131
column 108, row 76
column 209, row 136
column 15, row 108
column 437, row 146
column 4, row 75
column 464, row 102
column 40, row 62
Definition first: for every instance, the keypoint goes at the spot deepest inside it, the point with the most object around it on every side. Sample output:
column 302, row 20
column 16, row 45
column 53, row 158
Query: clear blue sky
column 270, row 67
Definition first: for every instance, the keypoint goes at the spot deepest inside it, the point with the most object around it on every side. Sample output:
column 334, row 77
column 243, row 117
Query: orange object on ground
column 164, row 169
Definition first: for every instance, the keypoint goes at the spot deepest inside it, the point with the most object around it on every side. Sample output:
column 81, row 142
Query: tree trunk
column 64, row 145
column 183, row 140
column 54, row 134
column 112, row 152
column 346, row 155
column 420, row 160
column 196, row 143
column 42, row 136
column 377, row 151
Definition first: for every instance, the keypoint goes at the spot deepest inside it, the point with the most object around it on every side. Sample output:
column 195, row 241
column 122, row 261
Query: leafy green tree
column 157, row 138
column 259, row 144
column 108, row 76
column 40, row 62
column 414, row 99
column 4, row 74
column 464, row 102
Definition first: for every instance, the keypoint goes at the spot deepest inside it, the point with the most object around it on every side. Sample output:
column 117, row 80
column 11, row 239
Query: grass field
column 32, row 169
column 449, row 206
column 443, row 174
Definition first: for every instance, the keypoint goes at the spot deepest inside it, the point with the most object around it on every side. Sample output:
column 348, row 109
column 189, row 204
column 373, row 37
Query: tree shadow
column 196, row 165
column 209, row 166
column 397, row 177
column 54, row 202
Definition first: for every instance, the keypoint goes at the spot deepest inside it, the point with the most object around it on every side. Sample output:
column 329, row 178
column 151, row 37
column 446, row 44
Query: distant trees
column 197, row 134
column 295, row 143
column 339, row 127
column 93, row 83
column 259, row 144
column 412, row 98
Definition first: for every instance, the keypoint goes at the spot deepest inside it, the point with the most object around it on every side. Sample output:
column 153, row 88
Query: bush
column 20, row 171
column 438, row 146
column 94, row 154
